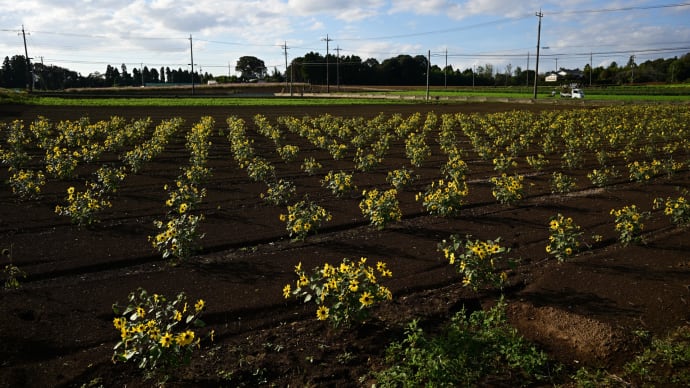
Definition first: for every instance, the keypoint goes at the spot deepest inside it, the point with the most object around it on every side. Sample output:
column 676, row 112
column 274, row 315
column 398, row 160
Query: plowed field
column 57, row 328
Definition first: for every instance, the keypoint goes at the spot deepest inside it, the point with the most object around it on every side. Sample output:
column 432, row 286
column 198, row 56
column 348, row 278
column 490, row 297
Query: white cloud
column 464, row 9
column 114, row 31
column 353, row 10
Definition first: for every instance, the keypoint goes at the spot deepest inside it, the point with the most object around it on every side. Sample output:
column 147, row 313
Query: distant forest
column 349, row 70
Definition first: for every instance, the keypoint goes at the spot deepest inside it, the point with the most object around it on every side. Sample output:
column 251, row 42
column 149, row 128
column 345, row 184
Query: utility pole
column 337, row 67
column 191, row 54
column 590, row 69
column 29, row 72
column 527, row 75
column 445, row 76
column 292, row 75
column 43, row 68
column 428, row 68
column 285, row 47
column 536, row 67
column 141, row 69
column 632, row 69
column 328, row 86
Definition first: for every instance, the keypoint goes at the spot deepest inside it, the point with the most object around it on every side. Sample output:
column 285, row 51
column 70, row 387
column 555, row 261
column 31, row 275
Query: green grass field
column 652, row 93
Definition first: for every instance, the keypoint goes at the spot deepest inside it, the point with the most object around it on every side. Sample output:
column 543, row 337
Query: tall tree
column 250, row 68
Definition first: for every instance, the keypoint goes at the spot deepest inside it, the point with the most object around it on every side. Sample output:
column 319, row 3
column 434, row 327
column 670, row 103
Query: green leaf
column 129, row 354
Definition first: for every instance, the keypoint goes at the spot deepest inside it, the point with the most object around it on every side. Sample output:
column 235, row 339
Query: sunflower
column 322, row 313
column 366, row 299
column 199, row 305
column 185, row 338
column 166, row 340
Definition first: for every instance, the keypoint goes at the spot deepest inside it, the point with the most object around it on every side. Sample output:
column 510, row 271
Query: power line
column 621, row 9
column 485, row 24
column 615, row 50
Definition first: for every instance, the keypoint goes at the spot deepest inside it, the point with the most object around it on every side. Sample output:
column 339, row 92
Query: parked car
column 573, row 93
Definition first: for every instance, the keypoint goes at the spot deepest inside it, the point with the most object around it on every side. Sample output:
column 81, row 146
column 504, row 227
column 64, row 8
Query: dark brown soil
column 56, row 330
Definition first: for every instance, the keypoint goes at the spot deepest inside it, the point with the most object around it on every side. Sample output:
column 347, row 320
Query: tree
column 14, row 72
column 126, row 78
column 250, row 68
column 405, row 70
column 276, row 76
column 112, row 76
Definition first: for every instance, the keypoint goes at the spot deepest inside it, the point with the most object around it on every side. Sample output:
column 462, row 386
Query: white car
column 577, row 93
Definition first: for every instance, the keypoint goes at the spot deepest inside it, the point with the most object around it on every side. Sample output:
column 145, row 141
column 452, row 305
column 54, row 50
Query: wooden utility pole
column 337, row 67
column 328, row 85
column 191, row 54
column 536, row 67
column 428, row 69
column 29, row 72
column 285, row 47
column 527, row 76
column 590, row 68
column 445, row 75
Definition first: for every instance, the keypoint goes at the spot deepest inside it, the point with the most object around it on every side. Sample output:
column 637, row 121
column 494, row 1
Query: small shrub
column 27, row 184
column 644, row 171
column 340, row 183
column 380, row 208
column 455, row 168
column 400, row 178
column 665, row 363
column 279, row 193
column 344, row 293
column 537, row 162
column 563, row 238
column 507, row 189
column 562, row 183
column 602, row 177
column 288, row 152
column 260, row 169
column 310, row 165
column 82, row 207
column 178, row 237
column 629, row 223
column 479, row 349
column 475, row 260
column 677, row 209
column 444, row 198
column 502, row 163
column 11, row 271
column 304, row 217
column 155, row 333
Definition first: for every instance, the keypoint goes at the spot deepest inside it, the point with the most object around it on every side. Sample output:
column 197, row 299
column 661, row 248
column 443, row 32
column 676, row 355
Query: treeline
column 409, row 70
column 14, row 74
column 348, row 70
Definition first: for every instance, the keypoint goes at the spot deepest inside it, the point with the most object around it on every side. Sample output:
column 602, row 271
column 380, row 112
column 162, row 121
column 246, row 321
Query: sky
column 88, row 35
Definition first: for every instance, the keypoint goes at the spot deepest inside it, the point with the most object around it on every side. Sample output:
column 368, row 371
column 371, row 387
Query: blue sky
column 86, row 35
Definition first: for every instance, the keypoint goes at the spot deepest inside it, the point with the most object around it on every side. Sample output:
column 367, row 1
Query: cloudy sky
column 87, row 35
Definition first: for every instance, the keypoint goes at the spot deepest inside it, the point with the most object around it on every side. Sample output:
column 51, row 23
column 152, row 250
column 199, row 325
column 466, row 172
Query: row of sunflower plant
column 487, row 134
column 66, row 145
column 178, row 234
column 372, row 138
column 83, row 206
